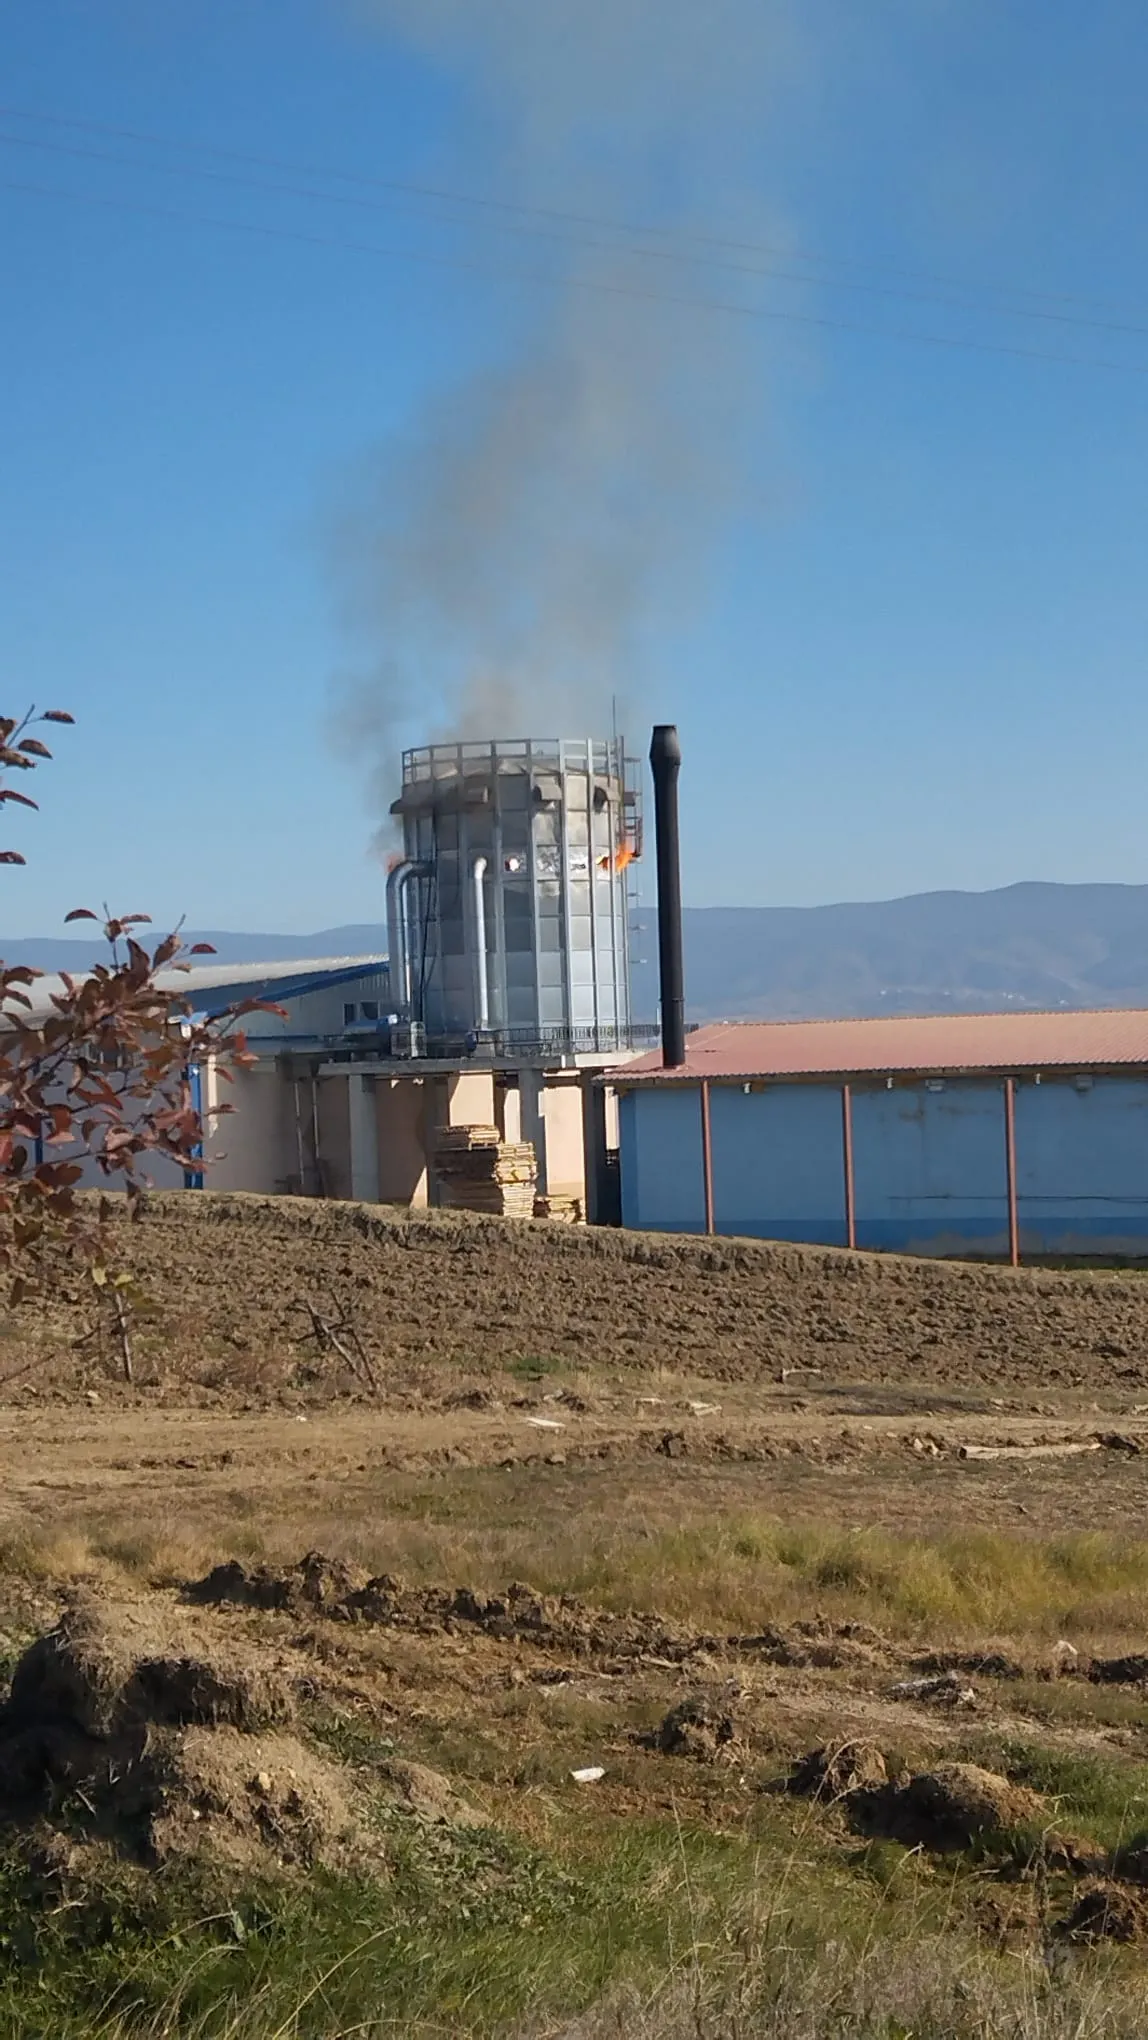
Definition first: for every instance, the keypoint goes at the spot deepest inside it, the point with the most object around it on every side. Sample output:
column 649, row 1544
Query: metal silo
column 509, row 914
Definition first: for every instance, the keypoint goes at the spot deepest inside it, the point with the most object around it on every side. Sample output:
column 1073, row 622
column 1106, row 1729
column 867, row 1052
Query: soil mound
column 520, row 1615
column 1119, row 1671
column 114, row 1670
column 1105, row 1911
column 162, row 1747
column 947, row 1808
column 987, row 1664
column 343, row 1593
column 429, row 1796
column 317, row 1585
column 819, row 1644
column 699, row 1727
column 834, row 1770
column 955, row 1804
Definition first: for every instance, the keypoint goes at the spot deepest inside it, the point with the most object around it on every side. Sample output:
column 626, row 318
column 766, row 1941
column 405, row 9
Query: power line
column 665, row 255
column 723, row 307
column 402, row 190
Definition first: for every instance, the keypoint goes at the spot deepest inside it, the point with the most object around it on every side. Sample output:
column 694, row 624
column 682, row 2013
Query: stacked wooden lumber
column 558, row 1204
column 478, row 1171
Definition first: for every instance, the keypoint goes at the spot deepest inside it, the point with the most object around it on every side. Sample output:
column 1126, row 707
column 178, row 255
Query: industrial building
column 1011, row 1135
column 491, row 1060
column 505, row 993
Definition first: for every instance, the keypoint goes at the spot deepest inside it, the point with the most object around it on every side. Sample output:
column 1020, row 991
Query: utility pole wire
column 722, row 307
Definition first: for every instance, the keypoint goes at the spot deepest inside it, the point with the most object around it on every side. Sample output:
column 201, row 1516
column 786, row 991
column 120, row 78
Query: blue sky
column 884, row 543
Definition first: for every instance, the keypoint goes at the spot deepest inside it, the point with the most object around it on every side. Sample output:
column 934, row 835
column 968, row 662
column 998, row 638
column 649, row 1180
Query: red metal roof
column 944, row 1043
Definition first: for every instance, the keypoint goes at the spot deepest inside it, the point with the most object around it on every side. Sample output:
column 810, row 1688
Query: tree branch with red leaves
column 99, row 1070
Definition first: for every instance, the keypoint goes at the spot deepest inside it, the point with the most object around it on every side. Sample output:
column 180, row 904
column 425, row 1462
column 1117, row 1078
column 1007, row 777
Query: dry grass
column 726, row 1574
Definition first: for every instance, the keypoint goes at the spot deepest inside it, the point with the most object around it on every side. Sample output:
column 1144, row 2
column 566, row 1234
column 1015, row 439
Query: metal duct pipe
column 478, row 872
column 399, row 955
column 397, row 958
column 665, row 763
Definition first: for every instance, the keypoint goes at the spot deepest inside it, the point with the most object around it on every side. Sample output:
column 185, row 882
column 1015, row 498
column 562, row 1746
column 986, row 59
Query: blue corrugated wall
column 929, row 1169
column 777, row 1163
column 661, row 1160
column 929, row 1164
column 1082, row 1167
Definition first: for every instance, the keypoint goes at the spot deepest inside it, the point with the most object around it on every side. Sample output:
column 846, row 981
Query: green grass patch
column 1105, row 1798
column 537, row 1366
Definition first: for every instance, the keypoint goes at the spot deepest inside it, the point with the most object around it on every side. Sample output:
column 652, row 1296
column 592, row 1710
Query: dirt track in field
column 443, row 1301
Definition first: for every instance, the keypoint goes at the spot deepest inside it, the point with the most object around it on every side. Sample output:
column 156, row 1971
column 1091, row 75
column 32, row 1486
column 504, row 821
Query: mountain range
column 1032, row 945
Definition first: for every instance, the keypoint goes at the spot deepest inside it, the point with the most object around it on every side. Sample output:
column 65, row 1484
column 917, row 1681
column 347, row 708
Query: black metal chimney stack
column 665, row 762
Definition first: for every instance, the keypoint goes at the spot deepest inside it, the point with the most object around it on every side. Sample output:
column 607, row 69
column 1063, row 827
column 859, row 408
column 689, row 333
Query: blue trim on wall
column 193, row 1178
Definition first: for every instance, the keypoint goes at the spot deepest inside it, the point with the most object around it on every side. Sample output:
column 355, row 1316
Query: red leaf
column 133, row 920
column 81, row 914
column 57, row 715
column 202, row 949
column 33, row 747
column 12, row 857
column 9, row 793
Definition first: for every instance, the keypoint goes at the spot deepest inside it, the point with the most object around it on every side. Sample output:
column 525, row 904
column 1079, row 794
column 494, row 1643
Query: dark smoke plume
column 515, row 559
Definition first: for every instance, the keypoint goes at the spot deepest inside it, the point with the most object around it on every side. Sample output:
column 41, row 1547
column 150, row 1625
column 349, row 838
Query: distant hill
column 1026, row 945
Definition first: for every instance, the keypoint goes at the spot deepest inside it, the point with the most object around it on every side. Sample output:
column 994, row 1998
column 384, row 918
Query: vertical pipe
column 707, row 1154
column 665, row 762
column 847, row 1155
column 397, row 959
column 479, row 870
column 1010, row 1171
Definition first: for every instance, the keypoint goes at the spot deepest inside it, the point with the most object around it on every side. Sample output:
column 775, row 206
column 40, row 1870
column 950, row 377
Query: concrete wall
column 929, row 1165
column 469, row 1099
column 406, row 1113
column 565, row 1141
column 252, row 1147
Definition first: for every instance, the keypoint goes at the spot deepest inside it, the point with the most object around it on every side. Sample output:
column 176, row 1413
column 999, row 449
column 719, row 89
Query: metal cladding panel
column 777, row 1163
column 943, row 1043
column 661, row 1162
column 929, row 1164
column 1082, row 1167
column 518, row 917
column 930, row 1169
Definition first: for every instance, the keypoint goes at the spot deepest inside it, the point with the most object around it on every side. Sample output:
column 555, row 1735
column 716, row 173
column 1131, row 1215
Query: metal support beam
column 707, row 1154
column 847, row 1158
column 1010, row 1171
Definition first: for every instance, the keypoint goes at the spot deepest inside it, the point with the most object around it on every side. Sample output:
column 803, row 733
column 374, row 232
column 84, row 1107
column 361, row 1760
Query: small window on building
column 370, row 1009
column 348, row 1015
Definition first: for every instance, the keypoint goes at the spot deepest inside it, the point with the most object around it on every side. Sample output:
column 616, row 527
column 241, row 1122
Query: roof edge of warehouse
column 211, row 987
column 880, row 1045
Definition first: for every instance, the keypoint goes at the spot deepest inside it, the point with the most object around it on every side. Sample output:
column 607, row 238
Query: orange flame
column 621, row 857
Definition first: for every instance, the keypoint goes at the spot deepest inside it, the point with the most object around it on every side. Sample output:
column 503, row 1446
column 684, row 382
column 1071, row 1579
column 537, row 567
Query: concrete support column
column 510, row 1112
column 532, row 1104
column 362, row 1115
